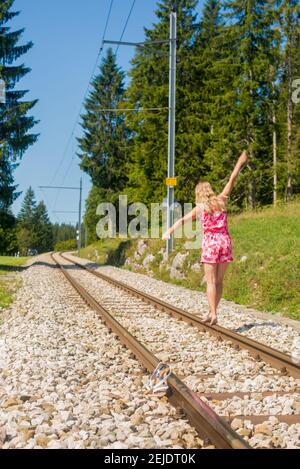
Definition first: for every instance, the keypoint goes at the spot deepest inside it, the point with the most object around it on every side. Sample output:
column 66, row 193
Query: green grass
column 109, row 251
column 9, row 284
column 268, row 280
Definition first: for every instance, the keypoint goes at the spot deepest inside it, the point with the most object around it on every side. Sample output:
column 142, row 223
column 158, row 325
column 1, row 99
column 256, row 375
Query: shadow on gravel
column 54, row 266
column 247, row 327
column 10, row 268
column 45, row 264
column 92, row 265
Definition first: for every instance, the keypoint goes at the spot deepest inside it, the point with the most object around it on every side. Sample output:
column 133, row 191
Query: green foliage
column 104, row 146
column 108, row 251
column 8, row 238
column 95, row 197
column 149, row 88
column 15, row 124
column 67, row 245
column 288, row 111
column 63, row 232
column 26, row 232
column 240, row 97
column 266, row 279
column 235, row 68
column 9, row 285
column 43, row 229
column 34, row 230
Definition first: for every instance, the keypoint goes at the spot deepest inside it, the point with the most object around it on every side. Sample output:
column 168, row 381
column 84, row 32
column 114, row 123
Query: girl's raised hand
column 166, row 235
column 244, row 157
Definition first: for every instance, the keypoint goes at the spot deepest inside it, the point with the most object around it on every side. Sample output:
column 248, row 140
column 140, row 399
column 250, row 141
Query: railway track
column 202, row 417
column 259, row 351
column 286, row 366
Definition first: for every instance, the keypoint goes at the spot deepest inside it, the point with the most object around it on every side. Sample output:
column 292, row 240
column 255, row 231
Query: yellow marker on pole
column 171, row 182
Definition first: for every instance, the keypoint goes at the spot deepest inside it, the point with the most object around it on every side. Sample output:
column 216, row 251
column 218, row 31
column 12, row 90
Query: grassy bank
column 8, row 282
column 266, row 271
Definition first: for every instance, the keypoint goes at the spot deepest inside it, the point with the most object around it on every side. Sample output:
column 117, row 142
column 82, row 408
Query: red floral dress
column 216, row 243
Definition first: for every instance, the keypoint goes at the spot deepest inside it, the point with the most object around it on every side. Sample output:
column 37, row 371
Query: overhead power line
column 126, row 24
column 139, row 109
column 85, row 94
column 80, row 109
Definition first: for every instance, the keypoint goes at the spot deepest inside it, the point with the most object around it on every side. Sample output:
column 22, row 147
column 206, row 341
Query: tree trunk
column 274, row 159
column 289, row 188
column 252, row 192
column 251, row 184
column 251, row 166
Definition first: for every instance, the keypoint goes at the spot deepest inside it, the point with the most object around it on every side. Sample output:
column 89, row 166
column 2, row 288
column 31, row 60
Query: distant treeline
column 237, row 70
column 31, row 232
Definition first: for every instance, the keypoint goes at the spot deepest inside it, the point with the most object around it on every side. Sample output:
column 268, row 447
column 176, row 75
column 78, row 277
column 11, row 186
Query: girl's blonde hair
column 206, row 196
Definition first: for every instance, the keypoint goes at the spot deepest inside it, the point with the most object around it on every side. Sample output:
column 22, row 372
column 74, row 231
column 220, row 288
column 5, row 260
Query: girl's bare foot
column 208, row 318
column 214, row 321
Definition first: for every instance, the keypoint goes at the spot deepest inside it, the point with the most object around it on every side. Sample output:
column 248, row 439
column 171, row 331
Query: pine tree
column 26, row 215
column 15, row 124
column 149, row 88
column 209, row 82
column 95, row 196
column 63, row 232
column 43, row 233
column 104, row 145
column 290, row 30
column 243, row 108
column 8, row 235
column 26, row 232
column 34, row 229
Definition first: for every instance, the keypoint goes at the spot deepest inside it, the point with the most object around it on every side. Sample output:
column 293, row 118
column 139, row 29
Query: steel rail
column 259, row 351
column 207, row 423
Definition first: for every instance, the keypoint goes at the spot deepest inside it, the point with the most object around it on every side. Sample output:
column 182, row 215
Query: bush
column 68, row 245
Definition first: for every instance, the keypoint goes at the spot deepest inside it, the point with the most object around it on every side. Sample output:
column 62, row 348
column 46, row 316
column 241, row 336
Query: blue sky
column 67, row 36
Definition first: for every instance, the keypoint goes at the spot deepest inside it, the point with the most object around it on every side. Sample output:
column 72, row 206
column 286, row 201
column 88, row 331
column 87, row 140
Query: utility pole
column 171, row 181
column 79, row 217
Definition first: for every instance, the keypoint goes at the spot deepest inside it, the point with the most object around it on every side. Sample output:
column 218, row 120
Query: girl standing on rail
column 216, row 243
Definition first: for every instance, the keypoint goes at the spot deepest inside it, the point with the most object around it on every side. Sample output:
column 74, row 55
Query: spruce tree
column 290, row 31
column 63, row 232
column 149, row 88
column 8, row 235
column 43, row 233
column 104, row 144
column 34, row 229
column 26, row 215
column 95, row 196
column 15, row 124
column 26, row 232
column 243, row 107
column 210, row 82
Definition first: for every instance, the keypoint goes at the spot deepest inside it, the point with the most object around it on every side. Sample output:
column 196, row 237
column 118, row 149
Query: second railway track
column 186, row 349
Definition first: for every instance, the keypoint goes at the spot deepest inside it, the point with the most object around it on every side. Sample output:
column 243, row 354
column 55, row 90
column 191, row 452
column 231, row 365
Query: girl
column 216, row 243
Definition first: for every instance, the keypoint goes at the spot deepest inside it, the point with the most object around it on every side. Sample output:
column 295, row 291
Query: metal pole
column 172, row 115
column 85, row 236
column 79, row 218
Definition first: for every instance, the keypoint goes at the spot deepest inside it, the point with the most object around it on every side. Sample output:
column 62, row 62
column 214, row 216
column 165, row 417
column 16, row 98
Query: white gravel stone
column 193, row 354
column 66, row 381
column 269, row 329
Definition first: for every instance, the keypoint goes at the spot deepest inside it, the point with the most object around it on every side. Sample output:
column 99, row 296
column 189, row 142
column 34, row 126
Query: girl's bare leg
column 221, row 269
column 211, row 288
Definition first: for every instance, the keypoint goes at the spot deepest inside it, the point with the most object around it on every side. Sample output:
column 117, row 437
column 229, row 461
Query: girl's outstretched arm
column 189, row 217
column 240, row 163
